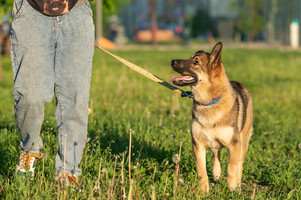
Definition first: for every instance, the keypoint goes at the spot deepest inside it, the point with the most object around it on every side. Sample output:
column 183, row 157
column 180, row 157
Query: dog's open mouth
column 183, row 80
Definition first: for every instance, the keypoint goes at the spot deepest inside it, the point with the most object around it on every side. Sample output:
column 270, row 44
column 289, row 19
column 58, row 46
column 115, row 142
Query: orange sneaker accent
column 69, row 180
column 27, row 163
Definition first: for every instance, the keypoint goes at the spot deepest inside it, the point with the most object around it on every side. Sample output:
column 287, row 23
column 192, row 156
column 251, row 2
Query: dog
column 222, row 114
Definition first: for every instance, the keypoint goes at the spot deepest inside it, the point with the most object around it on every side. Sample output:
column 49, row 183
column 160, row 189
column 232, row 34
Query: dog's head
column 56, row 7
column 200, row 67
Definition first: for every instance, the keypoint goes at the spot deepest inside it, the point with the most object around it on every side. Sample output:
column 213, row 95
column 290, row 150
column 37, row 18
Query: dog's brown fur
column 224, row 123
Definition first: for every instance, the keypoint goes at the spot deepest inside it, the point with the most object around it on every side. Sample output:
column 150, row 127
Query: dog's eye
column 195, row 62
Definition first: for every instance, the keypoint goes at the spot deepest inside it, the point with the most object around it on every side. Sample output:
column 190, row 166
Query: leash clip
column 187, row 94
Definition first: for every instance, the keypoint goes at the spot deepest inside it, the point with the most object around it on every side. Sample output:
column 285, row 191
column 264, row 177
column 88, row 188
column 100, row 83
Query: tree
column 202, row 23
column 103, row 9
column 98, row 19
column 1, row 75
column 251, row 19
column 152, row 12
column 6, row 5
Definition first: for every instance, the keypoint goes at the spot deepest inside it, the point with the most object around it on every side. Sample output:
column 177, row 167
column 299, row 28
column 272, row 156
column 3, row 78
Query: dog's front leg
column 216, row 165
column 200, row 160
column 233, row 166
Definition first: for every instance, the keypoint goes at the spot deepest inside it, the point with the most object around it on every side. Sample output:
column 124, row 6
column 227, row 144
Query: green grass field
column 125, row 103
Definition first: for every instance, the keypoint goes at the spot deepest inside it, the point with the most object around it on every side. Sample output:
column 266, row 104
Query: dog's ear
column 215, row 56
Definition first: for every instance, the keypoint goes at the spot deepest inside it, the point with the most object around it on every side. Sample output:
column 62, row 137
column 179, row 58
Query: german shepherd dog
column 222, row 114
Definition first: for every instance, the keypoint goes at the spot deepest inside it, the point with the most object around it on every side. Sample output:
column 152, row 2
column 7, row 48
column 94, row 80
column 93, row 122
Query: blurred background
column 121, row 22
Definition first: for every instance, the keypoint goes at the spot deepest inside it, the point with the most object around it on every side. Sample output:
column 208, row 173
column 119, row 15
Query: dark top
column 53, row 7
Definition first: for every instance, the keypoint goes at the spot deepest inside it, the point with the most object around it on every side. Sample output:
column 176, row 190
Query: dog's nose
column 174, row 62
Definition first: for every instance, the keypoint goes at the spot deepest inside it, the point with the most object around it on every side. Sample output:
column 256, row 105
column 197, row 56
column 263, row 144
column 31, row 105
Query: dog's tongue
column 181, row 78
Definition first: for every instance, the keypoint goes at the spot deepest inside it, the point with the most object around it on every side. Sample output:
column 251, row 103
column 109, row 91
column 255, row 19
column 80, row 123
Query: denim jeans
column 52, row 55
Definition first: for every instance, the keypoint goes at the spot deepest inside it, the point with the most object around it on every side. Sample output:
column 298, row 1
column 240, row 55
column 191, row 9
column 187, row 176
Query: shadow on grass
column 9, row 145
column 141, row 149
column 8, row 162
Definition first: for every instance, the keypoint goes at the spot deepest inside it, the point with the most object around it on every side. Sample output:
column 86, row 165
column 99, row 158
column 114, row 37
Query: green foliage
column 7, row 3
column 122, row 99
column 202, row 23
column 110, row 7
column 5, row 6
column 114, row 6
column 251, row 17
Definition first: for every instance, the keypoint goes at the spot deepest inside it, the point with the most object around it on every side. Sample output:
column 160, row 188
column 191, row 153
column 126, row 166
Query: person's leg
column 32, row 57
column 73, row 63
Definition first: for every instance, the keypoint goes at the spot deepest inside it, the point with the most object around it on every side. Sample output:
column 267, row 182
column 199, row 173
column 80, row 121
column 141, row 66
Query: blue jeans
column 52, row 55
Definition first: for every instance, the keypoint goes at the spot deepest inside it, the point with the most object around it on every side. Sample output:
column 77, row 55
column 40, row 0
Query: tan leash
column 147, row 74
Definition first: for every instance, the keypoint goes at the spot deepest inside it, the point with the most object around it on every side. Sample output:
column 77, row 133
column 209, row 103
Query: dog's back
column 245, row 115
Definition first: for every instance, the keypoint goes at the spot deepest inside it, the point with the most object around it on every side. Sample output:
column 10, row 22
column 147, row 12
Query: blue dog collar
column 215, row 101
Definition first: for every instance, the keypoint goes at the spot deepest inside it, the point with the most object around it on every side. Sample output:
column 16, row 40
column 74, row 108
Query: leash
column 147, row 74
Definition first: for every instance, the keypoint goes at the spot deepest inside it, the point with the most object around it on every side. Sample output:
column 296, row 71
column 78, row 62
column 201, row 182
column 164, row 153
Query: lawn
column 127, row 105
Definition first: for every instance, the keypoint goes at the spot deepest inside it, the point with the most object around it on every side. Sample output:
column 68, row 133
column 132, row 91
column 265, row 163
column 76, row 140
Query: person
column 52, row 46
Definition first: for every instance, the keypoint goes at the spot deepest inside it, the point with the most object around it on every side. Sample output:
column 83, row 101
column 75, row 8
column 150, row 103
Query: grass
column 125, row 104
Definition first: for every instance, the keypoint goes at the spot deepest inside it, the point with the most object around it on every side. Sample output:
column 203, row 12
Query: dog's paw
column 204, row 186
column 234, row 187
